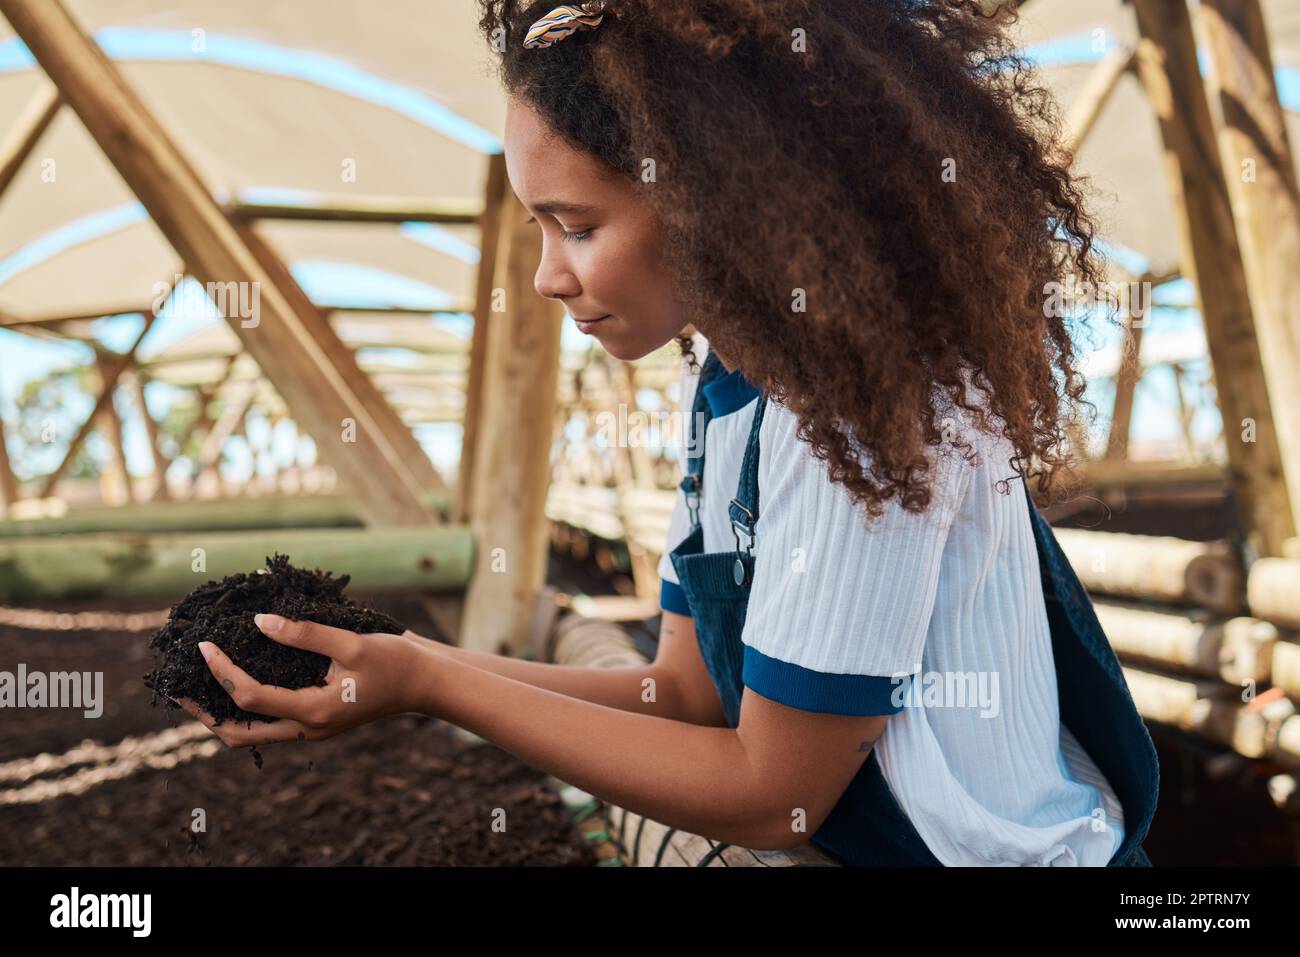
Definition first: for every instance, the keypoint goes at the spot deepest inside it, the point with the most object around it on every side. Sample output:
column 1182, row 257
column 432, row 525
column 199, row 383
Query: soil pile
column 222, row 613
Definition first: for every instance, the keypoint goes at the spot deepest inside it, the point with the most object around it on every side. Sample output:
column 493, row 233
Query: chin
column 627, row 351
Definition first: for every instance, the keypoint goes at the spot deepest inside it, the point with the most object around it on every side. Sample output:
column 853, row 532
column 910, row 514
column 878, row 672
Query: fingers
column 302, row 704
column 236, row 735
column 335, row 642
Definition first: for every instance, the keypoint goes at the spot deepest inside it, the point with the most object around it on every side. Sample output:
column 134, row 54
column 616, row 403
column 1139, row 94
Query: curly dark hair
column 888, row 165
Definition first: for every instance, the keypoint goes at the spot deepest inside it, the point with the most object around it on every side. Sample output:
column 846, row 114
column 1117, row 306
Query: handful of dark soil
column 222, row 613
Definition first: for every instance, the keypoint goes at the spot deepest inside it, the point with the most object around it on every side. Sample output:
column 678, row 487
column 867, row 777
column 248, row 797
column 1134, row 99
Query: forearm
column 646, row 689
column 691, row 777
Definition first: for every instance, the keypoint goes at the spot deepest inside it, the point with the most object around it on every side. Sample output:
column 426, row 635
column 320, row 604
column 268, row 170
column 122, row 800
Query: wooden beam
column 1168, row 67
column 512, row 470
column 27, row 131
column 411, row 454
column 109, row 383
column 296, row 361
column 451, row 211
column 489, row 245
column 1094, row 95
column 1260, row 171
column 18, row 322
column 401, row 310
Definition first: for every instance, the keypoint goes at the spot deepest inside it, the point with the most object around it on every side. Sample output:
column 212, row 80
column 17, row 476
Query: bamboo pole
column 1285, row 672
column 512, row 469
column 489, row 249
column 301, row 367
column 1273, row 590
column 1260, row 172
column 1233, row 650
column 1155, row 567
column 132, row 565
column 1211, row 258
column 1221, row 713
column 270, row 511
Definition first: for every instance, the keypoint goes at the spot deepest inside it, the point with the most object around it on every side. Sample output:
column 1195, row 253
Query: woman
column 870, row 639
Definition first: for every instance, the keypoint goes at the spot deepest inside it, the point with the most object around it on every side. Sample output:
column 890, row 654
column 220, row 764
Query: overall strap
column 692, row 482
column 744, row 507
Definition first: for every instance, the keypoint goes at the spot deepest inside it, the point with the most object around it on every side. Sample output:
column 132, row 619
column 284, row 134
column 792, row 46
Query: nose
column 554, row 279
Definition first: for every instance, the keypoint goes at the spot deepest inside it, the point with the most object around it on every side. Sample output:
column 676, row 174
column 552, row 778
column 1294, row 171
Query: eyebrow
column 553, row 207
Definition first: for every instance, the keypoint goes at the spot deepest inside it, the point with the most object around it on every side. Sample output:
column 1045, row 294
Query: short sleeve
column 840, row 604
column 671, row 596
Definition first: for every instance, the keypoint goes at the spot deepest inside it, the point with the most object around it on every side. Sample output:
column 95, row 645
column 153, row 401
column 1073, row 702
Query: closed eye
column 566, row 236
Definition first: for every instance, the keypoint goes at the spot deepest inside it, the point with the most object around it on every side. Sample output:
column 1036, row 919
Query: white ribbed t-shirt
column 988, row 777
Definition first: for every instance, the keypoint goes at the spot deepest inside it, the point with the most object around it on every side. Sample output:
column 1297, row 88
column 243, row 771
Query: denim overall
column 867, row 827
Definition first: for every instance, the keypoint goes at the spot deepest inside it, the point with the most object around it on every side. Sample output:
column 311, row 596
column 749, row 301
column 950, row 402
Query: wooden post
column 300, row 363
column 1260, row 172
column 631, row 473
column 1126, row 380
column 115, row 481
column 1185, row 413
column 512, row 470
column 489, row 241
column 8, row 482
column 22, row 139
column 1168, row 68
column 137, row 382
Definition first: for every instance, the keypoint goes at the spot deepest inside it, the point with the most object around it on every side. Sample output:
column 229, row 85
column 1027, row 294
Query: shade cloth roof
column 271, row 98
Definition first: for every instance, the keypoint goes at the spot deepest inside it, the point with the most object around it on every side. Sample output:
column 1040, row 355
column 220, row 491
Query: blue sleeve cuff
column 673, row 598
column 809, row 690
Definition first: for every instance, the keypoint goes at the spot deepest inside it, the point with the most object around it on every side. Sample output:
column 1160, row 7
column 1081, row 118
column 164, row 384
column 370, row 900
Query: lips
column 585, row 325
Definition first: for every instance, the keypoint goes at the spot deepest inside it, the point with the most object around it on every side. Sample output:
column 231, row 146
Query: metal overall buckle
column 738, row 570
column 690, row 486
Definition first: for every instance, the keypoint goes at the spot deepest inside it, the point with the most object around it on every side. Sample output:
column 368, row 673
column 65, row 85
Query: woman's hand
column 370, row 677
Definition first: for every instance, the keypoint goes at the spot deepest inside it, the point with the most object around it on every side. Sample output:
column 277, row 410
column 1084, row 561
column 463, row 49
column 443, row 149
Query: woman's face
column 601, row 244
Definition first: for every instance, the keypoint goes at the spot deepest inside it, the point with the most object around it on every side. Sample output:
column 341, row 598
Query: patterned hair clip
column 563, row 22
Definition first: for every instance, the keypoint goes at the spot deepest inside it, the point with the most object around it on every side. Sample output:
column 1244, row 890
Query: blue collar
column 728, row 393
